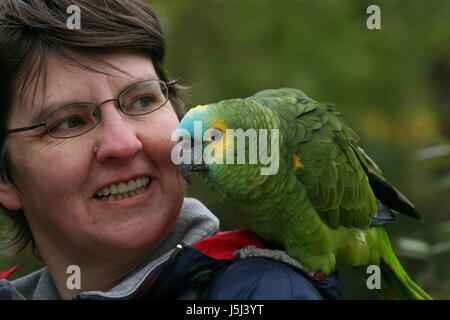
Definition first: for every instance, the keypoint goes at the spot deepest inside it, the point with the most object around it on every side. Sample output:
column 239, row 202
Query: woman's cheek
column 63, row 170
column 158, row 140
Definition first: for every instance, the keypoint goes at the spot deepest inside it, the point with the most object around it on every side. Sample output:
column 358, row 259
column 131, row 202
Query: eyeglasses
column 75, row 119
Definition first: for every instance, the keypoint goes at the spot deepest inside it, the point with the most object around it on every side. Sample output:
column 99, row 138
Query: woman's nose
column 116, row 136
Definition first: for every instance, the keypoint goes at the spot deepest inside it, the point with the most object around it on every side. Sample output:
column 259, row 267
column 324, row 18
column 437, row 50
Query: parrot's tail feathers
column 396, row 284
column 400, row 288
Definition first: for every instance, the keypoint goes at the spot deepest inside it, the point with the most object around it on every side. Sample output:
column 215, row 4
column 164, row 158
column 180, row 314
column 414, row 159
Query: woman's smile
column 127, row 194
column 124, row 189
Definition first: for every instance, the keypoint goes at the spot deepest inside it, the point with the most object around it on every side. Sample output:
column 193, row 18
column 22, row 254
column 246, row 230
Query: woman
column 87, row 117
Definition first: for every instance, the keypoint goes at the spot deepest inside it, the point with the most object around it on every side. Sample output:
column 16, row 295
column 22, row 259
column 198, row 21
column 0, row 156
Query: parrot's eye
column 216, row 134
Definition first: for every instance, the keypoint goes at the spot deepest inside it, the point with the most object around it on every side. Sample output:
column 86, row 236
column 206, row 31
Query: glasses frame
column 168, row 84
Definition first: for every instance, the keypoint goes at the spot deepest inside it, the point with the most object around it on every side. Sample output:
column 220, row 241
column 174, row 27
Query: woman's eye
column 143, row 103
column 68, row 124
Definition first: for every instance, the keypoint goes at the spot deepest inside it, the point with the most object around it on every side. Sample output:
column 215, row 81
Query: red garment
column 224, row 244
column 7, row 273
column 220, row 246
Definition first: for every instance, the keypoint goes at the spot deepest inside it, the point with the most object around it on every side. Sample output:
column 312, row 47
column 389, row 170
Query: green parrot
column 325, row 199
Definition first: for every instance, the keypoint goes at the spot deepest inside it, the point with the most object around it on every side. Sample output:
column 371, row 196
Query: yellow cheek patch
column 219, row 146
column 297, row 163
column 226, row 133
column 219, row 124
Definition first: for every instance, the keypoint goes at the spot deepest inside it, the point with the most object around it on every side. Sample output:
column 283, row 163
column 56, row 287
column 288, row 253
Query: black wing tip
column 409, row 211
column 390, row 197
column 416, row 215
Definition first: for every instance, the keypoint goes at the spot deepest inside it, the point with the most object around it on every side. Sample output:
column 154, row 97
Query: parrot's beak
column 185, row 170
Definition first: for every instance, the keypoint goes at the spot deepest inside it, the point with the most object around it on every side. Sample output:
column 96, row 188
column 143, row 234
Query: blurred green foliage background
column 392, row 85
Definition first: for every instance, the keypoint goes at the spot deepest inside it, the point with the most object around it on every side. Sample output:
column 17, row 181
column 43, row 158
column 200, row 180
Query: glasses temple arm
column 25, row 128
column 171, row 83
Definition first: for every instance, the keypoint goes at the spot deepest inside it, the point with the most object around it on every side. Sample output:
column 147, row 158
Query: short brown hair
column 30, row 30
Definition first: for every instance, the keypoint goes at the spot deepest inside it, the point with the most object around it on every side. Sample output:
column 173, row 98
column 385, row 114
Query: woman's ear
column 9, row 196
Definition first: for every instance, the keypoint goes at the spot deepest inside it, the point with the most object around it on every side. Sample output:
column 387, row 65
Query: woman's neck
column 87, row 273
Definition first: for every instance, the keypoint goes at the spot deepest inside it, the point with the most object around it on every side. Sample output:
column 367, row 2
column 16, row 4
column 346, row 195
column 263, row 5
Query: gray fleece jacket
column 195, row 223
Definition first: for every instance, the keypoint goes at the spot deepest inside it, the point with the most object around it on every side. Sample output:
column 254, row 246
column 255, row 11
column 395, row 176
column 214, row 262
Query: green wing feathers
column 337, row 184
column 344, row 185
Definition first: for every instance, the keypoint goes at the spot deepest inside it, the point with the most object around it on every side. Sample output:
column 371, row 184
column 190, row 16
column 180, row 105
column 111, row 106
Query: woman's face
column 59, row 178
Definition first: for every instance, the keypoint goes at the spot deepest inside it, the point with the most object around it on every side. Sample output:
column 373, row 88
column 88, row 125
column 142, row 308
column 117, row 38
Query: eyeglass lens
column 76, row 119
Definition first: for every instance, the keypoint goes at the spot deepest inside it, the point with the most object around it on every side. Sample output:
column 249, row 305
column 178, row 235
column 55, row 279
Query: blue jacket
column 208, row 270
column 190, row 274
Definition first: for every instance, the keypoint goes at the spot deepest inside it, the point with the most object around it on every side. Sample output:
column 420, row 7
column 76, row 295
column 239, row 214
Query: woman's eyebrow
column 136, row 79
column 48, row 108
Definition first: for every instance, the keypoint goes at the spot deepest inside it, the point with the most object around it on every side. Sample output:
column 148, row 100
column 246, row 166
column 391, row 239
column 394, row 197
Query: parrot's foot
column 278, row 255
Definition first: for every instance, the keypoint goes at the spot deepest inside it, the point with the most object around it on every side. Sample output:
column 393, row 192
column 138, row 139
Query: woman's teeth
column 123, row 190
